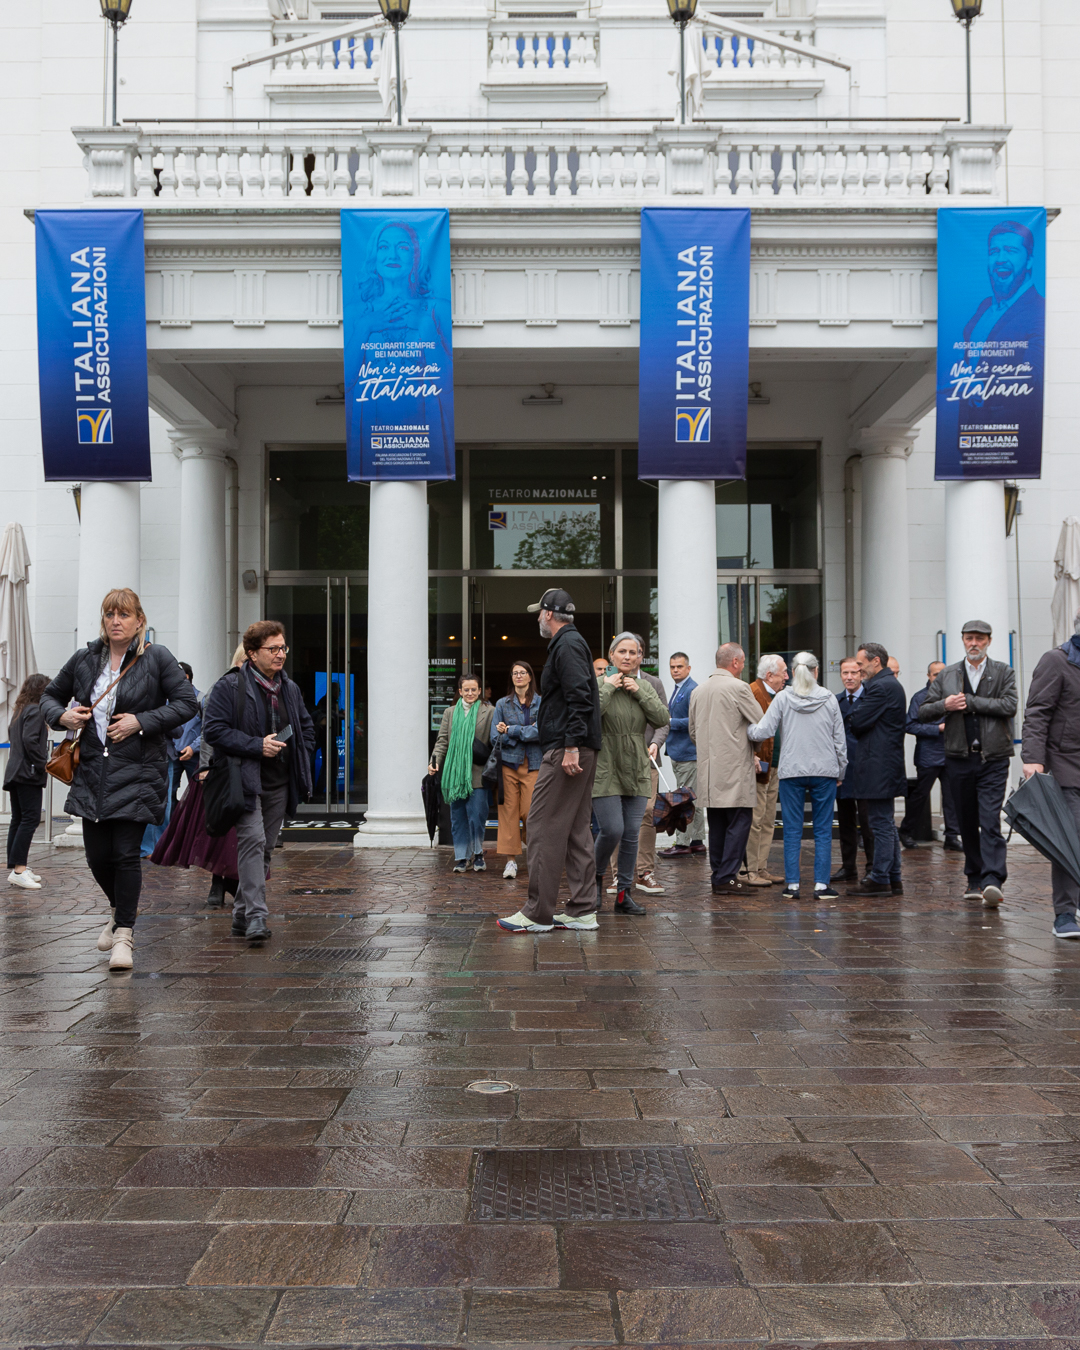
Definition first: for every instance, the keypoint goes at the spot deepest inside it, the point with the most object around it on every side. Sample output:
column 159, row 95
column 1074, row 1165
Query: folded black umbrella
column 1038, row 812
column 432, row 795
column 673, row 811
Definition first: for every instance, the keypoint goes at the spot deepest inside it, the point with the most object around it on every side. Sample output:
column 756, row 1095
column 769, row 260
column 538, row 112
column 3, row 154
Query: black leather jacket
column 994, row 705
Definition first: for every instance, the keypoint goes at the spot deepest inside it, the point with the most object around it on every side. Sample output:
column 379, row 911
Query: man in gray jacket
column 1051, row 745
column 976, row 699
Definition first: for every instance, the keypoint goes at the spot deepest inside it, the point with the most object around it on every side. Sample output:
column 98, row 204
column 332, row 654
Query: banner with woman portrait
column 991, row 341
column 399, row 372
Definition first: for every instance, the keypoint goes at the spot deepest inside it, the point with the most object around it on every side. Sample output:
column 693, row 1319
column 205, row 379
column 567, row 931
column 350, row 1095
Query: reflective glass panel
column 318, row 519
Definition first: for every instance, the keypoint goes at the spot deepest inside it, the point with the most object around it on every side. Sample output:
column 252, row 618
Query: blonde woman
column 128, row 697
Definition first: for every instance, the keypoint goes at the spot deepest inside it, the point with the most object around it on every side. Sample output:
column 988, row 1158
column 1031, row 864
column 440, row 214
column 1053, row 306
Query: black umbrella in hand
column 1038, row 811
column 432, row 795
column 673, row 811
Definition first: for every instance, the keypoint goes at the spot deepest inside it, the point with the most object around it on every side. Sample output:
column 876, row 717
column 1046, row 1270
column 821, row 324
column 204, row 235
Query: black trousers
column 924, row 781
column 978, row 789
column 112, row 853
column 25, row 818
column 729, row 829
column 1064, row 889
column 851, row 817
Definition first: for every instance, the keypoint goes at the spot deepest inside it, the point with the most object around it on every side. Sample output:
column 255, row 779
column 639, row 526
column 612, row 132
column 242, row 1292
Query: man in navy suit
column 683, row 756
column 851, row 815
column 1014, row 311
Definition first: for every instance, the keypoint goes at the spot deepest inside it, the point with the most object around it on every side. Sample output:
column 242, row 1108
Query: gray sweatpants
column 256, row 834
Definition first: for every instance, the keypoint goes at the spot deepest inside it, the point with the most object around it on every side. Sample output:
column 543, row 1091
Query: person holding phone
column 129, row 697
column 258, row 714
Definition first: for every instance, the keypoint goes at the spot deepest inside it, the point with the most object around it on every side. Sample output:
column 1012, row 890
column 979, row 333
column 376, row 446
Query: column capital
column 890, row 439
column 199, row 442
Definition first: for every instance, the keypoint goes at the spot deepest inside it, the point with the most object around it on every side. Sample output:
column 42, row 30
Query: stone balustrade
column 340, row 55
column 537, row 47
column 261, row 163
column 728, row 52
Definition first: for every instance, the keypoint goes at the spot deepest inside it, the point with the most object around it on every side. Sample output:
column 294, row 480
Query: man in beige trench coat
column 721, row 709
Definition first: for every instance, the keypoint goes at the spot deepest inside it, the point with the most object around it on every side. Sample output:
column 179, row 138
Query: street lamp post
column 116, row 12
column 395, row 12
column 681, row 12
column 967, row 11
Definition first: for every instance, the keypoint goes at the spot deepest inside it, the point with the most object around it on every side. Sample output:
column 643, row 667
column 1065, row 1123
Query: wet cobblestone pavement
column 752, row 1123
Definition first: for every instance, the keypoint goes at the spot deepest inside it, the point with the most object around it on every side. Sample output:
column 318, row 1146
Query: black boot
column 216, row 898
column 626, row 904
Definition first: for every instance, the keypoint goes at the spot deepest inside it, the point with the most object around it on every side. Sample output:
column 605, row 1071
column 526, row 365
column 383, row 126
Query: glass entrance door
column 326, row 629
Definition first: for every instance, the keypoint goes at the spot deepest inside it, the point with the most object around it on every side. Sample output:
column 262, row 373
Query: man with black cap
column 976, row 699
column 568, row 724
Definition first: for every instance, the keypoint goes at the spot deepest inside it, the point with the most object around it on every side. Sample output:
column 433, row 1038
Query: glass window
column 444, row 525
column 640, row 515
column 770, row 520
column 640, row 616
column 546, row 510
column 318, row 519
column 765, row 617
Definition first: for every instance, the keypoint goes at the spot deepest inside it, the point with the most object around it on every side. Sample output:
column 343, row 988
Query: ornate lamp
column 680, row 12
column 395, row 12
column 117, row 13
column 966, row 11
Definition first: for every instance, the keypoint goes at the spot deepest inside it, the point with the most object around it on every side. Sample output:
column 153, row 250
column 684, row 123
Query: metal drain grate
column 588, row 1183
column 332, row 956
column 322, row 890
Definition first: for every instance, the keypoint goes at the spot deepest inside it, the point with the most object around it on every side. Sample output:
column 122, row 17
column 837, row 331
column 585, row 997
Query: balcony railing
column 300, row 163
column 537, row 47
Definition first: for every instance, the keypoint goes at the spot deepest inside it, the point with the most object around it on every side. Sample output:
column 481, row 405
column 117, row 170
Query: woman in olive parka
column 628, row 704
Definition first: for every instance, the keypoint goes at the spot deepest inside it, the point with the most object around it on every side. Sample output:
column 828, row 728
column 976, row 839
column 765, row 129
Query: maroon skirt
column 185, row 842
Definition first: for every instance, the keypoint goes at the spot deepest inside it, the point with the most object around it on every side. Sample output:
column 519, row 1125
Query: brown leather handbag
column 64, row 760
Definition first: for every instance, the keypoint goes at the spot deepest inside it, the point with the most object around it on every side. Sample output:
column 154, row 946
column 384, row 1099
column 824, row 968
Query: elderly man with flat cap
column 976, row 699
column 568, row 727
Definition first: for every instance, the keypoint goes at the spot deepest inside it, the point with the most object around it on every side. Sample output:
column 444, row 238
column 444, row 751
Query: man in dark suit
column 851, row 816
column 929, row 769
column 1014, row 311
column 878, row 721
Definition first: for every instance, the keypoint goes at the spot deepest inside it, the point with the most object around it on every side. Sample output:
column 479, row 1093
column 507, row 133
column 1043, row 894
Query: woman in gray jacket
column 813, row 760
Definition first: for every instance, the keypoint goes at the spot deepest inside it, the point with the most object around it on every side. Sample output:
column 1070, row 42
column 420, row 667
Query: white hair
column 769, row 665
column 804, row 669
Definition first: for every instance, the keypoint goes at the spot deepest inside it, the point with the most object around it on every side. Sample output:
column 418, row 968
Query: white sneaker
column 521, row 923
column 586, row 921
column 613, row 890
column 25, row 880
column 992, row 897
column 121, row 958
column 105, row 937
column 510, row 870
column 33, row 875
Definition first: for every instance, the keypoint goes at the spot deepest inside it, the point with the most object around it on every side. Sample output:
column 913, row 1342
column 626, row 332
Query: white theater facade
column 544, row 128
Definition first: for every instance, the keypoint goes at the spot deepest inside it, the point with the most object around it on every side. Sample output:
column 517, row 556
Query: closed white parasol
column 1066, row 599
column 17, row 659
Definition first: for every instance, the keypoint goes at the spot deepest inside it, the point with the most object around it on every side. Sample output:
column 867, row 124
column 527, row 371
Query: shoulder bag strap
column 115, row 682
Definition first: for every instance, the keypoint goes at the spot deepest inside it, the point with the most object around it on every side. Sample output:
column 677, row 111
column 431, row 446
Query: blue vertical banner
column 991, row 341
column 399, row 364
column 694, row 360
column 91, row 324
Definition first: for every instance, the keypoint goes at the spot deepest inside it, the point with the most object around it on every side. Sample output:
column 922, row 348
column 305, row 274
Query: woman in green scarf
column 467, row 721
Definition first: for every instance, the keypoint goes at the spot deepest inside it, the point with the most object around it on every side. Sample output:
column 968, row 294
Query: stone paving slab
column 228, row 1148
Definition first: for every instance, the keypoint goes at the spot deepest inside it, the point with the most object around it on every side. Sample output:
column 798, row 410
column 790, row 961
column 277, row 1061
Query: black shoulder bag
column 223, row 787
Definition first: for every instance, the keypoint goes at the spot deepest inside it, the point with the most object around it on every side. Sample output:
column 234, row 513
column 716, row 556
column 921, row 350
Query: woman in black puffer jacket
column 119, row 786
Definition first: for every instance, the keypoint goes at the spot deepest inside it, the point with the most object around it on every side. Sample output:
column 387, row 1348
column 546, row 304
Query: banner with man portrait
column 694, row 360
column 991, row 342
column 91, row 331
column 399, row 372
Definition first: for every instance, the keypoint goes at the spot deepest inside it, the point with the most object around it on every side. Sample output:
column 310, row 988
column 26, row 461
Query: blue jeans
column 792, row 792
column 886, row 864
column 468, row 818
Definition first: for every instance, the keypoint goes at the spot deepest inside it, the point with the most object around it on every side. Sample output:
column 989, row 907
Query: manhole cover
column 489, row 1085
column 333, row 956
column 583, row 1183
column 322, row 890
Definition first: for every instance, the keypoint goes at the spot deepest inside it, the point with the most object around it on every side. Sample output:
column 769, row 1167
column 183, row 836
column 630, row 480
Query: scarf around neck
column 272, row 689
column 457, row 782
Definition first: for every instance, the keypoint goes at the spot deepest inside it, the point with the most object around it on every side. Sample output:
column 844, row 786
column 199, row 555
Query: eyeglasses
column 275, row 651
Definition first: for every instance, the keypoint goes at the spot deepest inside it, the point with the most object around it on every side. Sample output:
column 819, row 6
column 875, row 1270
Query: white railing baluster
column 562, row 172
column 873, row 177
column 497, row 170
column 542, row 172
column 363, row 169
column 766, row 174
column 853, row 171
column 786, row 178
column 744, row 174
column 519, row 176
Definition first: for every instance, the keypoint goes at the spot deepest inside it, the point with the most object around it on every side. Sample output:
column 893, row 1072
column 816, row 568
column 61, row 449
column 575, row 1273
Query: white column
column 202, row 620
column 397, row 731
column 686, row 575
column 110, row 548
column 976, row 579
column 886, row 581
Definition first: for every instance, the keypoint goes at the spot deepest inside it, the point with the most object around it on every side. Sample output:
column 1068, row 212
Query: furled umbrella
column 1038, row 812
column 17, row 659
column 432, row 795
column 673, row 811
column 1066, row 598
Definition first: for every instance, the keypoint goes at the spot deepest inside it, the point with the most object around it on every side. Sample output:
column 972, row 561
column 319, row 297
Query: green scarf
column 457, row 767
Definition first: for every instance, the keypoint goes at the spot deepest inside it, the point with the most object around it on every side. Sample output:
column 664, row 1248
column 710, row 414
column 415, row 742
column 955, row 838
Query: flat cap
column 977, row 626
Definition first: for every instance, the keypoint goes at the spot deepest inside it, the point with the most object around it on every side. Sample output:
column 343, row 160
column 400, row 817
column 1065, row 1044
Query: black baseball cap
column 559, row 602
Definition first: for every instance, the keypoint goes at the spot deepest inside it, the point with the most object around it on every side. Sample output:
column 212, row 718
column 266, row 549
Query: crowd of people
column 575, row 760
